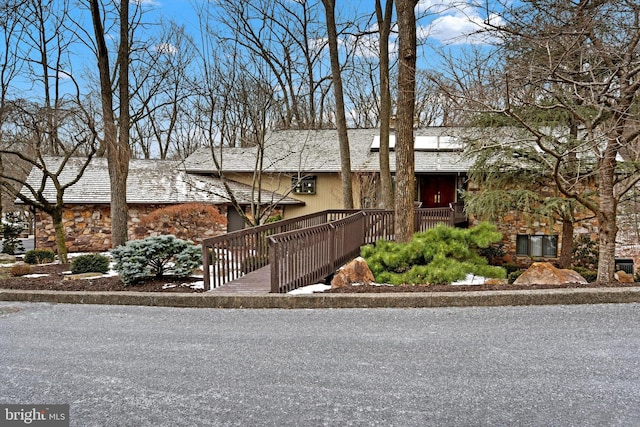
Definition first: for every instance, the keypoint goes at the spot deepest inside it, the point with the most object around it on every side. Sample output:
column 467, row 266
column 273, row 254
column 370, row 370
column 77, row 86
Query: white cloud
column 166, row 48
column 63, row 75
column 435, row 6
column 458, row 22
column 145, row 2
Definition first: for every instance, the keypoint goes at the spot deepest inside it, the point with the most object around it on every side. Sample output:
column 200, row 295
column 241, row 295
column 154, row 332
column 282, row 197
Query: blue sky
column 442, row 23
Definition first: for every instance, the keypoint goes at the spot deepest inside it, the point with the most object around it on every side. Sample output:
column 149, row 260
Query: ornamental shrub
column 20, row 269
column 156, row 256
column 90, row 263
column 436, row 256
column 39, row 256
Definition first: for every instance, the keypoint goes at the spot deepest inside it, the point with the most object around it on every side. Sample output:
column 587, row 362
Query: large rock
column 356, row 271
column 544, row 273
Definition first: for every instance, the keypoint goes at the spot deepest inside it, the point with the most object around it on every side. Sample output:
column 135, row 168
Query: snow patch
column 471, row 279
column 319, row 287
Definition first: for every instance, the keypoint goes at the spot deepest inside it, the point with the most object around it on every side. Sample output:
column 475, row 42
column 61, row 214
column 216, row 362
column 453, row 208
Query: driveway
column 501, row 366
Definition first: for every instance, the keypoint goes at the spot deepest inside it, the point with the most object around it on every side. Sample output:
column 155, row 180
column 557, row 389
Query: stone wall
column 88, row 227
column 515, row 223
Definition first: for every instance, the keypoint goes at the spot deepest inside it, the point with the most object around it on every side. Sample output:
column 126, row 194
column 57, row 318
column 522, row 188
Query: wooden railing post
column 332, row 245
column 205, row 267
column 275, row 268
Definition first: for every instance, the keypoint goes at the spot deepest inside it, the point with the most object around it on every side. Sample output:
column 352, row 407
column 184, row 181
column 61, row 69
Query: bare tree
column 341, row 121
column 405, row 162
column 161, row 91
column 53, row 120
column 286, row 38
column 237, row 107
column 384, row 27
column 116, row 129
column 45, row 189
column 12, row 33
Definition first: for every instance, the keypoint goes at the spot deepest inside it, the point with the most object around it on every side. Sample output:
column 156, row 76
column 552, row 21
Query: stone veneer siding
column 88, row 227
column 514, row 223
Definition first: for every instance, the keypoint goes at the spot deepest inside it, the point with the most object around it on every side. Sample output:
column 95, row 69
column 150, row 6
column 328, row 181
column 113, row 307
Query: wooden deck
column 255, row 283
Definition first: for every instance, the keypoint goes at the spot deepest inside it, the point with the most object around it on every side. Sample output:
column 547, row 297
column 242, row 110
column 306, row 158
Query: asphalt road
column 500, row 366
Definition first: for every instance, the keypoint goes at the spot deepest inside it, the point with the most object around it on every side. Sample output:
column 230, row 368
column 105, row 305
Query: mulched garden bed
column 55, row 281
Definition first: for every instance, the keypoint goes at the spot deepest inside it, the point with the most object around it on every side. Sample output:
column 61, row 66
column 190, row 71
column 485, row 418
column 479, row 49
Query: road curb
column 378, row 300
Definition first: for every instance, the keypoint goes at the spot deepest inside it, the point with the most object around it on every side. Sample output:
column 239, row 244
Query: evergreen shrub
column 156, row 256
column 588, row 274
column 39, row 256
column 11, row 229
column 90, row 263
column 513, row 275
column 511, row 267
column 437, row 256
column 585, row 252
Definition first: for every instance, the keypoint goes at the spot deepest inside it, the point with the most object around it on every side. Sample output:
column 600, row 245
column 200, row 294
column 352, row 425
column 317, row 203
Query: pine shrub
column 11, row 229
column 90, row 263
column 156, row 256
column 39, row 256
column 437, row 256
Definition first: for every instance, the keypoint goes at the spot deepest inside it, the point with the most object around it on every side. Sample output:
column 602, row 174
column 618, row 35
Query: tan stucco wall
column 328, row 192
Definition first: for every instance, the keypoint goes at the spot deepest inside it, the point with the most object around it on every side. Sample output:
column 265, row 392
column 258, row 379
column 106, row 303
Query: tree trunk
column 607, row 226
column 566, row 252
column 118, row 151
column 120, row 154
column 61, row 244
column 384, row 27
column 607, row 251
column 341, row 120
column 405, row 162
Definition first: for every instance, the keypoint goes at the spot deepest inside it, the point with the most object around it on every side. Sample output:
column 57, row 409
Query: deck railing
column 232, row 255
column 305, row 249
column 302, row 257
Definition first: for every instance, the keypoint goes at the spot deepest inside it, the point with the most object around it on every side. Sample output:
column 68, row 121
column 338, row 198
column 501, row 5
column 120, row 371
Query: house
column 300, row 174
column 307, row 163
column 151, row 184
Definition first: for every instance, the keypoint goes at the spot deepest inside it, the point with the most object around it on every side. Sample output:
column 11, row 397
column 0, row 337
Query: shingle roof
column 318, row 151
column 149, row 182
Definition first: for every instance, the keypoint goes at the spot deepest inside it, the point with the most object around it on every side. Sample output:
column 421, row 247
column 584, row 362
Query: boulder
column 624, row 277
column 545, row 273
column 356, row 271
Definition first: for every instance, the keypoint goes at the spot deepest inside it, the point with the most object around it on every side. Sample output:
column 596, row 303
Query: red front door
column 437, row 191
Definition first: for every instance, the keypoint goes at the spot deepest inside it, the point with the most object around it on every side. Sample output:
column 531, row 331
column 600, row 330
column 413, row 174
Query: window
column 306, row 185
column 537, row 245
